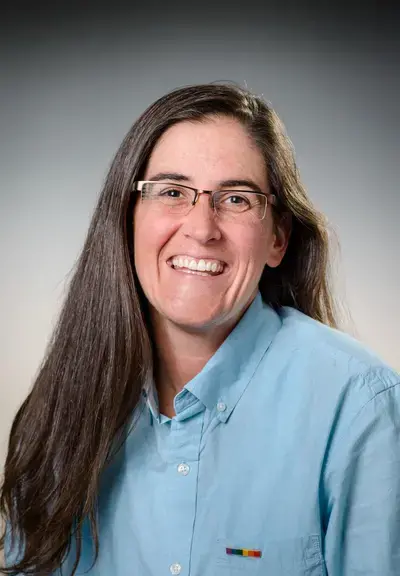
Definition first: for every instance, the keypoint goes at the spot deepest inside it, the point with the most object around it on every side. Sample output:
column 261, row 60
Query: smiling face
column 198, row 270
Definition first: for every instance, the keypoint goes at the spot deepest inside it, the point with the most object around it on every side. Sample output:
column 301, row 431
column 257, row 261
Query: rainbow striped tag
column 244, row 552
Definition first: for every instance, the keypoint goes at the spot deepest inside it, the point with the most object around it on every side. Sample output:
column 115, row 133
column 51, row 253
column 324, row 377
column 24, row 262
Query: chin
column 193, row 316
column 194, row 322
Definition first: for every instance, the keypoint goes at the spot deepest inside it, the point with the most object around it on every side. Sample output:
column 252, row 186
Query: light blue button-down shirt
column 286, row 444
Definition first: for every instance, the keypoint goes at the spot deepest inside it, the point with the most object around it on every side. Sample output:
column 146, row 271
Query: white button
column 221, row 406
column 175, row 568
column 183, row 469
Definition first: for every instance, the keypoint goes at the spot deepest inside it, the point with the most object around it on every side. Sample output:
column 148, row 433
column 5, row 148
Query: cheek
column 252, row 246
column 150, row 235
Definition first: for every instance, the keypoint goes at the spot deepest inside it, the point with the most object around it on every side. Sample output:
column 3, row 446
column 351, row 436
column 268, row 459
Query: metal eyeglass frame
column 271, row 198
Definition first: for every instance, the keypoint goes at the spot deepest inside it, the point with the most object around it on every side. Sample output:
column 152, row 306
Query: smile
column 204, row 267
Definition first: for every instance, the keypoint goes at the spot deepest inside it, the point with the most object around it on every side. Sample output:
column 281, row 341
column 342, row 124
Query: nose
column 201, row 223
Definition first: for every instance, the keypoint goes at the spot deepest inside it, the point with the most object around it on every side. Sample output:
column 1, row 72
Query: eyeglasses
column 238, row 205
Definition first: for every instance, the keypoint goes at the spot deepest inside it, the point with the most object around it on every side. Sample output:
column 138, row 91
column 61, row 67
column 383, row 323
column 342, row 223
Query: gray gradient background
column 74, row 80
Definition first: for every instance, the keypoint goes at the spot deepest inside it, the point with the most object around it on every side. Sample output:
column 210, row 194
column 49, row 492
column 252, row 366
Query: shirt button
column 184, row 470
column 221, row 406
column 175, row 568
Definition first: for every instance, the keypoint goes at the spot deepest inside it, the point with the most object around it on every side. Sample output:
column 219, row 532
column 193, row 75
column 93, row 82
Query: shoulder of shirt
column 320, row 349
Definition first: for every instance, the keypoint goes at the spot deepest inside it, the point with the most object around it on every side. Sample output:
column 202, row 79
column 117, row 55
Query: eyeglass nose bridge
column 197, row 196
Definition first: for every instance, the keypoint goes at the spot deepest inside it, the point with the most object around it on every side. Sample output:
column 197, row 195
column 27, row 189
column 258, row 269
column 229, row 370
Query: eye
column 236, row 199
column 171, row 193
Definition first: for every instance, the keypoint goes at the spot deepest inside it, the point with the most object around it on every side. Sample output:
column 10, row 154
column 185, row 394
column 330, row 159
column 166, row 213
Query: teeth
column 199, row 266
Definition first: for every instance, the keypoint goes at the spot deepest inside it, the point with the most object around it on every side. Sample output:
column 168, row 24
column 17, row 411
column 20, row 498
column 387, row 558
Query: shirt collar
column 226, row 375
column 224, row 378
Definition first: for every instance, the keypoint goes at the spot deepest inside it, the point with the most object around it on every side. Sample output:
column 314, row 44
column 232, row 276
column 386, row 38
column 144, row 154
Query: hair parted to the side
column 89, row 383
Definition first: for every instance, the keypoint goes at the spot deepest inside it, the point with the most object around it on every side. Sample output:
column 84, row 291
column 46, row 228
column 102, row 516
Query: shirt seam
column 376, row 394
column 373, row 392
column 364, row 406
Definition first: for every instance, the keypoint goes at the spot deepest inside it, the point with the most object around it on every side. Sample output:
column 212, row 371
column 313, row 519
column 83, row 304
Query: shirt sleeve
column 362, row 487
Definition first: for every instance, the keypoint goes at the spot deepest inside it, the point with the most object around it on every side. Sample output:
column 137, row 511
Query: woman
column 197, row 412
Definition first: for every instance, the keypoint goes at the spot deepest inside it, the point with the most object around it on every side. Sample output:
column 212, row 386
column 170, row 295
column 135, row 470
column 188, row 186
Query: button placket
column 184, row 440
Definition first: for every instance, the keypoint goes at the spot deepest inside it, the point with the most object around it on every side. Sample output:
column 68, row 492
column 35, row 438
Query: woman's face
column 206, row 154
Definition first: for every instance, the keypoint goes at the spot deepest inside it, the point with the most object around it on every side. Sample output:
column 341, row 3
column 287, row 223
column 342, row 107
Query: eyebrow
column 230, row 183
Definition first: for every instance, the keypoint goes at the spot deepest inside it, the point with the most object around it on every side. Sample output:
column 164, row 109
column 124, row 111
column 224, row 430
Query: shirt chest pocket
column 290, row 557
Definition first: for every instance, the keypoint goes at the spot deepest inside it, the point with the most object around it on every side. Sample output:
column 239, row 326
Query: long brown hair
column 90, row 380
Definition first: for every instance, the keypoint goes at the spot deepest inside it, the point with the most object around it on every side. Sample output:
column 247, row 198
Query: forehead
column 211, row 150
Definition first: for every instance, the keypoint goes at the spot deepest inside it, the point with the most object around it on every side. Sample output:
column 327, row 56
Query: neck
column 180, row 355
